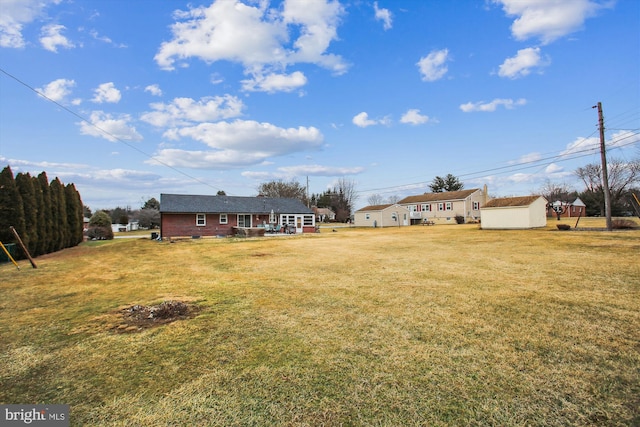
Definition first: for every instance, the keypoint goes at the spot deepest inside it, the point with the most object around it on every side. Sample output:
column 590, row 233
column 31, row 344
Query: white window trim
column 224, row 219
column 202, row 223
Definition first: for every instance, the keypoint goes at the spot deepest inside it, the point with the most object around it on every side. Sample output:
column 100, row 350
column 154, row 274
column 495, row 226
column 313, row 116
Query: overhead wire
column 105, row 132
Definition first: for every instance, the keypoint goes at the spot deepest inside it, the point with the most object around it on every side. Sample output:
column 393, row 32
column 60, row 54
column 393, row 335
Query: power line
column 105, row 132
column 575, row 154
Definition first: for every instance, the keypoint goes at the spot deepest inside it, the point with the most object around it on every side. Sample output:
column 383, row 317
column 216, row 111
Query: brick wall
column 174, row 225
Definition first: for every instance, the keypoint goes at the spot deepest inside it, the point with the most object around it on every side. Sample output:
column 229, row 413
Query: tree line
column 47, row 215
column 340, row 199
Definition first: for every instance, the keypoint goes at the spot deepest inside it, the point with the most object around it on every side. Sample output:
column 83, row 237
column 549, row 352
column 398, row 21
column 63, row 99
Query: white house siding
column 381, row 216
column 503, row 214
column 456, row 203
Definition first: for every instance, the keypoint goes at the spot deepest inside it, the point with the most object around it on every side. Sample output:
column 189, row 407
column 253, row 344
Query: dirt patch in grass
column 138, row 317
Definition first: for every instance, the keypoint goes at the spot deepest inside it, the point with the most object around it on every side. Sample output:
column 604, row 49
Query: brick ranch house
column 201, row 216
column 444, row 207
column 566, row 210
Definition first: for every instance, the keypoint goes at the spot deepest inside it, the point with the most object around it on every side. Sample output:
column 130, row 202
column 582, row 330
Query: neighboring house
column 515, row 213
column 119, row 228
column 567, row 210
column 324, row 214
column 193, row 215
column 382, row 216
column 444, row 207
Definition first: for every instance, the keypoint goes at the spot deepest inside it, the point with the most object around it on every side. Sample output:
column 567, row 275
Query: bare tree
column 394, row 198
column 374, row 200
column 347, row 188
column 558, row 192
column 280, row 188
column 622, row 176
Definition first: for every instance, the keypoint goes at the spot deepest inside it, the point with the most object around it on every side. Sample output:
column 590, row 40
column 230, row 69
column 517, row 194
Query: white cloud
column 549, row 20
column 509, row 104
column 186, row 111
column 521, row 64
column 15, row 15
column 433, row 66
column 258, row 37
column 275, row 82
column 383, row 15
column 252, row 136
column 362, row 120
column 29, row 165
column 106, row 92
column 414, row 117
column 592, row 144
column 553, row 169
column 320, row 170
column 290, row 172
column 527, row 158
column 236, row 144
column 58, row 89
column 51, row 38
column 113, row 129
column 154, row 90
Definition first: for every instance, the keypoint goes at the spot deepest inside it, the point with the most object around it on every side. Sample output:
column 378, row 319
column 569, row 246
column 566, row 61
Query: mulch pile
column 139, row 317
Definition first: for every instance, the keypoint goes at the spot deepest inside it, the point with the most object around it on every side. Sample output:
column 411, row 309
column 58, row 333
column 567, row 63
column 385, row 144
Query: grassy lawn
column 438, row 326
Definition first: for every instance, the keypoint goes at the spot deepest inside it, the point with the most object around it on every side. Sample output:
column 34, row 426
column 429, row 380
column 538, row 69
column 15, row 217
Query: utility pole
column 605, row 174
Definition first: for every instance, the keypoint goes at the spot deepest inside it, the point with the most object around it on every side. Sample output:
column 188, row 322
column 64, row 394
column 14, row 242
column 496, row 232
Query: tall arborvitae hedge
column 48, row 216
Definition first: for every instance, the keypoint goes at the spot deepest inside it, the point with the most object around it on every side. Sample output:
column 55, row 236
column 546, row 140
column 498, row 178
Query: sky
column 131, row 99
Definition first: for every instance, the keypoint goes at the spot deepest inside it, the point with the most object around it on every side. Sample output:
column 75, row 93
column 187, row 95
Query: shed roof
column 185, row 203
column 511, row 202
column 438, row 197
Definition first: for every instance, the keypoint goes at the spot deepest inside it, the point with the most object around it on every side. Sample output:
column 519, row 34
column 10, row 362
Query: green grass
column 444, row 325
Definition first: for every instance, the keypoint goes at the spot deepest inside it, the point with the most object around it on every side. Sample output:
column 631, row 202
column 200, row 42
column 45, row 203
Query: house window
column 367, row 216
column 440, row 206
column 413, row 208
column 201, row 220
column 449, row 206
column 224, row 219
column 244, row 220
column 476, row 206
column 426, row 207
column 308, row 220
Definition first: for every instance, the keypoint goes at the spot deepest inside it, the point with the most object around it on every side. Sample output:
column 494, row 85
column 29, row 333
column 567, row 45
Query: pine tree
column 40, row 244
column 11, row 210
column 29, row 236
column 47, row 221
column 75, row 216
column 59, row 209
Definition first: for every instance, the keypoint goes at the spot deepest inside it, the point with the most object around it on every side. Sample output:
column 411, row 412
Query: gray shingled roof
column 184, row 203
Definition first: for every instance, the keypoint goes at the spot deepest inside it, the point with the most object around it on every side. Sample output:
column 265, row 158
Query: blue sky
column 130, row 99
